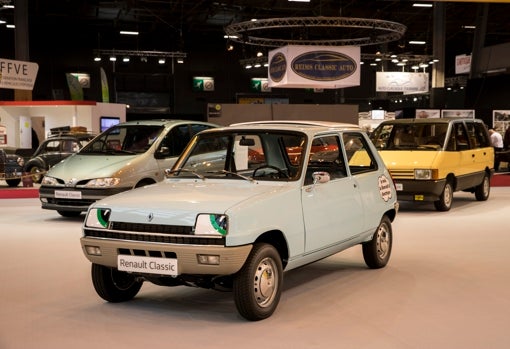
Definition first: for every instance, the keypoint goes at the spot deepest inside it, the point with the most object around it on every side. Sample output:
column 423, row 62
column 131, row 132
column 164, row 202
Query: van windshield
column 410, row 136
column 124, row 139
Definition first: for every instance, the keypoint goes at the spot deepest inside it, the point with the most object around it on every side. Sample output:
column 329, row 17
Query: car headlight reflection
column 49, row 181
column 211, row 224
column 98, row 218
column 103, row 182
column 424, row 174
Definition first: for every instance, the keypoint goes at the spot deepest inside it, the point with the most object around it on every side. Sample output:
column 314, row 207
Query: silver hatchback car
column 125, row 156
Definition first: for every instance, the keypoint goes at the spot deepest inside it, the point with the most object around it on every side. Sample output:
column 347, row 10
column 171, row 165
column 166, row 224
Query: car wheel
column 445, row 200
column 37, row 173
column 483, row 190
column 113, row 285
column 377, row 251
column 258, row 285
column 13, row 182
column 69, row 214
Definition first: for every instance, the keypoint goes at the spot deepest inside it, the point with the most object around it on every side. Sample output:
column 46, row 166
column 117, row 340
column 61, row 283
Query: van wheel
column 483, row 190
column 445, row 200
column 258, row 285
column 113, row 285
column 377, row 251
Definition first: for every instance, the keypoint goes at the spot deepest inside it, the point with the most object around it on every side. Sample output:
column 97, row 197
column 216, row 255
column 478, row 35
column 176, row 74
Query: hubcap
column 382, row 241
column 265, row 282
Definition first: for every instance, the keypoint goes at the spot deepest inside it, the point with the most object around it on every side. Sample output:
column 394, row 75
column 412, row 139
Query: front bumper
column 413, row 190
column 73, row 199
column 231, row 258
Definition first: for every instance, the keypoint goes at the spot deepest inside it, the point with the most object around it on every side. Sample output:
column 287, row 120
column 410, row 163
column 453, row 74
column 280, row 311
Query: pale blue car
column 242, row 205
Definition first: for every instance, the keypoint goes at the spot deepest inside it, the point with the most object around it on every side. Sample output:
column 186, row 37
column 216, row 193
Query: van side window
column 176, row 139
column 478, row 135
column 459, row 139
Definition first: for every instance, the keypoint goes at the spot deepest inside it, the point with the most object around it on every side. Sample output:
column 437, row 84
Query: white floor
column 447, row 286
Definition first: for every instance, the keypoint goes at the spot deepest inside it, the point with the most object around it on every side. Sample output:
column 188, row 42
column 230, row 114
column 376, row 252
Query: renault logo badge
column 150, row 217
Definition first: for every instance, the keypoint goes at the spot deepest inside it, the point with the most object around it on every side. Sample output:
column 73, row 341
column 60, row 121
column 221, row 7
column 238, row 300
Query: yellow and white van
column 430, row 159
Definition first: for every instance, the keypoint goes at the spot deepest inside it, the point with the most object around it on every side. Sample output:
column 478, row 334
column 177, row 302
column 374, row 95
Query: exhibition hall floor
column 447, row 285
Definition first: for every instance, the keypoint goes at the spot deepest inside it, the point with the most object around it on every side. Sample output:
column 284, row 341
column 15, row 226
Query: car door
column 332, row 210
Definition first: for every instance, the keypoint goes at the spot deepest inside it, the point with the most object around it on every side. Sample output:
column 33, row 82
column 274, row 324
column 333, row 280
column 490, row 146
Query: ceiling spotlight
column 248, row 66
column 161, row 61
column 259, row 54
column 97, row 59
column 127, row 32
column 417, row 42
column 230, row 47
column 113, row 58
column 180, row 60
column 143, row 59
column 125, row 59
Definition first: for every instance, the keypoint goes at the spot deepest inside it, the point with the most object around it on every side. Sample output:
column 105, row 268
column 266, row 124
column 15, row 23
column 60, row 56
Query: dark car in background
column 54, row 149
column 11, row 167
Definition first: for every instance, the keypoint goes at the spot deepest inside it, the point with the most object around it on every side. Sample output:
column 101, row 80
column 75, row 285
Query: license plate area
column 147, row 265
column 66, row 194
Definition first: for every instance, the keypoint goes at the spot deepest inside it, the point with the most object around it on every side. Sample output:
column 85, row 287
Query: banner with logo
column 105, row 92
column 320, row 67
column 75, row 89
column 402, row 82
column 17, row 75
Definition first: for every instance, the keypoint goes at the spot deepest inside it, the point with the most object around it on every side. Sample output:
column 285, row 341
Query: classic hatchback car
column 54, row 149
column 430, row 159
column 226, row 220
column 123, row 157
column 11, row 167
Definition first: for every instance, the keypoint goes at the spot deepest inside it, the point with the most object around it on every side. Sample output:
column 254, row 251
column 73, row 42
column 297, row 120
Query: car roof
column 428, row 121
column 164, row 122
column 302, row 125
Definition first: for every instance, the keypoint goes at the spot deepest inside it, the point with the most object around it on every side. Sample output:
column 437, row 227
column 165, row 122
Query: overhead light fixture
column 248, row 66
column 180, row 60
column 10, row 26
column 469, row 27
column 125, row 59
column 97, row 59
column 161, row 61
column 127, row 32
column 417, row 42
column 418, row 4
column 7, row 6
column 113, row 58
column 2, row 21
column 299, row 0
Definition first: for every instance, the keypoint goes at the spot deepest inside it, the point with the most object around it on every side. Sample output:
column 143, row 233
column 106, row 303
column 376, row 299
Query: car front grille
column 157, row 233
column 402, row 174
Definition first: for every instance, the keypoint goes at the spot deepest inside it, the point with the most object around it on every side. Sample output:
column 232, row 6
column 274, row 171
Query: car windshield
column 410, row 136
column 260, row 155
column 124, row 139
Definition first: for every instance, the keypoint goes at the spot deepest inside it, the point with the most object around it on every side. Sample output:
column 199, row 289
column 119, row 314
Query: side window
column 196, row 128
column 478, row 135
column 359, row 156
column 176, row 140
column 53, row 146
column 459, row 139
column 326, row 155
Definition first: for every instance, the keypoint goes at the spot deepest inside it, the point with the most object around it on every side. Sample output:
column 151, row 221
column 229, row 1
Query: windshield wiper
column 169, row 172
column 232, row 173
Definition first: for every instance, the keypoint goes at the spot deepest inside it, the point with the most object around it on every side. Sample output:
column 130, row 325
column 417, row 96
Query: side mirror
column 320, row 177
column 162, row 153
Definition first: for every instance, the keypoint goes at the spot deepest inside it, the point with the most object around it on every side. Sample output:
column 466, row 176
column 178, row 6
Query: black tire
column 37, row 173
column 445, row 200
column 69, row 214
column 258, row 285
column 113, row 285
column 13, row 182
column 377, row 251
column 483, row 190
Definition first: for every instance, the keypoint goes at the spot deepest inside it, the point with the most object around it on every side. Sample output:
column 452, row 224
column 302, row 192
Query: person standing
column 506, row 139
column 497, row 143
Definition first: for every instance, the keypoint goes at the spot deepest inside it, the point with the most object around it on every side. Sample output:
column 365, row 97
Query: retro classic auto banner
column 319, row 67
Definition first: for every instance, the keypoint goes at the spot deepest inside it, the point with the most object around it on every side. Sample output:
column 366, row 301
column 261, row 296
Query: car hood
column 89, row 166
column 178, row 202
column 409, row 159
